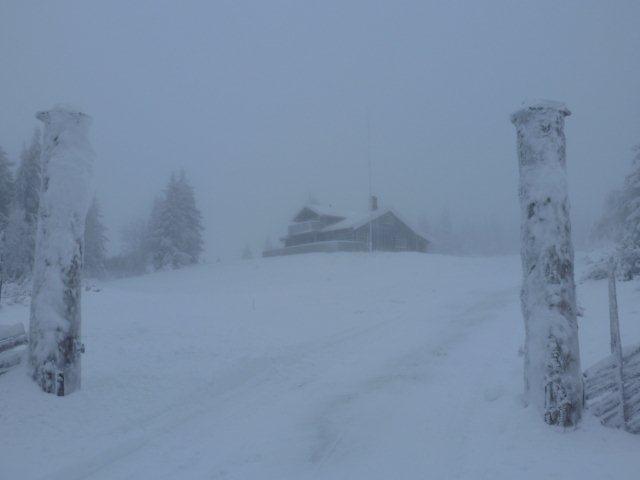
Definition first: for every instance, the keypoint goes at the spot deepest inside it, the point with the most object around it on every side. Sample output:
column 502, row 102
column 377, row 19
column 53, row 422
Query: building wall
column 389, row 234
column 324, row 247
column 308, row 237
column 346, row 234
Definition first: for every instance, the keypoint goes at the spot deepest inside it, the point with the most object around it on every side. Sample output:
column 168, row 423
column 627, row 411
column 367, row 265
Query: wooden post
column 54, row 331
column 616, row 344
column 1, row 265
column 553, row 377
column 613, row 311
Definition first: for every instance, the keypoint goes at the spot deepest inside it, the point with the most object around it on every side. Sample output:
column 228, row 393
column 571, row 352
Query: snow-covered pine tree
column 609, row 226
column 175, row 228
column 28, row 179
column 95, row 242
column 54, row 336
column 191, row 242
column 26, row 202
column 135, row 255
column 18, row 247
column 629, row 217
column 157, row 245
column 164, row 227
column 7, row 188
column 553, row 378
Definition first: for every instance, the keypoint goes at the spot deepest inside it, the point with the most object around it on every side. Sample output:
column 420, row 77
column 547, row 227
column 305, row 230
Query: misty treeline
column 19, row 203
column 171, row 237
column 618, row 230
column 475, row 235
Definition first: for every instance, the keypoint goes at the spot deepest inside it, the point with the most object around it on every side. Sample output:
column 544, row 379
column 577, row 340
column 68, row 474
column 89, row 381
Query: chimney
column 374, row 203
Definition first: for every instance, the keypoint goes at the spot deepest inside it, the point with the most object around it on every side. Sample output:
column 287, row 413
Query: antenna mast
column 370, row 199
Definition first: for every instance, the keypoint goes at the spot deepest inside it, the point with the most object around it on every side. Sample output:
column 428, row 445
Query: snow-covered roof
column 360, row 219
column 356, row 220
column 325, row 210
column 352, row 219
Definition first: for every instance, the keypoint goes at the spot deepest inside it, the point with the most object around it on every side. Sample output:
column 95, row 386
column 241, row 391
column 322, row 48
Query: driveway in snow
column 316, row 366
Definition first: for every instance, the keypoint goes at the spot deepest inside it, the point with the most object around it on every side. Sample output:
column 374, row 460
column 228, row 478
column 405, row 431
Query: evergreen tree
column 191, row 239
column 7, row 189
column 18, row 247
column 629, row 237
column 6, row 199
column 95, row 241
column 175, row 228
column 134, row 258
column 28, row 178
column 609, row 226
column 22, row 221
column 158, row 249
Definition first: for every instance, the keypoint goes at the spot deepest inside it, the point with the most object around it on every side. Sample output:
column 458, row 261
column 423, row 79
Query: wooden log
column 10, row 359
column 11, row 330
column 606, row 393
column 12, row 336
column 616, row 342
column 614, row 323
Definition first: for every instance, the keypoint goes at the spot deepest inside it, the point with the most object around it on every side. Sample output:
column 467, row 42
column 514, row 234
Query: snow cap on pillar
column 62, row 110
column 66, row 129
column 530, row 108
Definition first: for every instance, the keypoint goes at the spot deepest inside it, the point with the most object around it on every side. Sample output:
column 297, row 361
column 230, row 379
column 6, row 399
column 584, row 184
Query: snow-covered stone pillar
column 553, row 379
column 67, row 163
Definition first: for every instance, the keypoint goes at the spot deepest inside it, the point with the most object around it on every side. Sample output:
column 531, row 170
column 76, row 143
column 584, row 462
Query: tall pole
column 616, row 344
column 370, row 200
column 614, row 324
column 553, row 378
column 1, row 265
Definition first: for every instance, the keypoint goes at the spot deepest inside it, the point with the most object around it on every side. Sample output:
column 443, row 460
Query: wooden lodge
column 317, row 228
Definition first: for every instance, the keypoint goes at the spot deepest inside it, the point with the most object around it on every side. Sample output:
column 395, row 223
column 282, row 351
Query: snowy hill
column 317, row 366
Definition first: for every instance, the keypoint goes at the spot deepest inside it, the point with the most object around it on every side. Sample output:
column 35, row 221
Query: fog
column 266, row 103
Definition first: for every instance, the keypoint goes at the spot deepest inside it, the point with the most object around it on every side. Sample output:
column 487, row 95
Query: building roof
column 325, row 210
column 353, row 220
column 356, row 220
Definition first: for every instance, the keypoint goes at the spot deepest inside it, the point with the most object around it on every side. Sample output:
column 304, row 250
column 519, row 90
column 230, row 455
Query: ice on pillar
column 67, row 163
column 553, row 380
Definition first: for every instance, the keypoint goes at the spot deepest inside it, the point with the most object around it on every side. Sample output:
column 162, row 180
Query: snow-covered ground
column 336, row 366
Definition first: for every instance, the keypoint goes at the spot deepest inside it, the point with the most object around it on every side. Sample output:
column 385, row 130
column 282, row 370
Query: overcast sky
column 265, row 102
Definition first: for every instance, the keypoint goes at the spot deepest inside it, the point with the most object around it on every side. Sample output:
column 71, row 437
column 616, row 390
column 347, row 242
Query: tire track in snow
column 208, row 400
column 227, row 397
column 408, row 368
